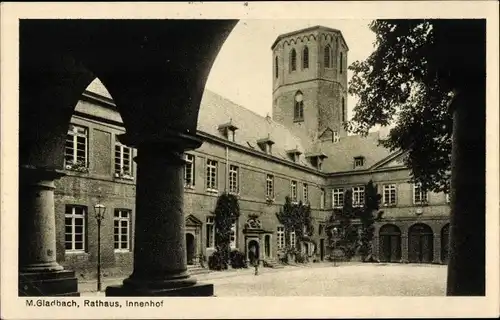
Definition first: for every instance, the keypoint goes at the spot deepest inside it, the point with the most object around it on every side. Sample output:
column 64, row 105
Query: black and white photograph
column 154, row 154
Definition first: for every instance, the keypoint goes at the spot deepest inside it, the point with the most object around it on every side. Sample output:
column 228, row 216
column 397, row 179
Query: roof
column 309, row 29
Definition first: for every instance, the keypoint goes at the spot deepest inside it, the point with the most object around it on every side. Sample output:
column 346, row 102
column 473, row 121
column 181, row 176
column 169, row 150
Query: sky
column 242, row 72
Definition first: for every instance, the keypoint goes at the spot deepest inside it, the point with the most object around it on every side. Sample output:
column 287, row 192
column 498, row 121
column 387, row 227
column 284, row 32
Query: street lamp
column 100, row 210
column 335, row 235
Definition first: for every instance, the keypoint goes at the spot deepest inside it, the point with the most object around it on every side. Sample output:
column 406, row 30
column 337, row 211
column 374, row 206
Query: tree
column 368, row 216
column 400, row 84
column 227, row 211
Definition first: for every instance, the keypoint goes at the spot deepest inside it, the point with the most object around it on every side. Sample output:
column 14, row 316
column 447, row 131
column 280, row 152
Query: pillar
column 39, row 272
column 437, row 248
column 404, row 247
column 160, row 266
column 466, row 268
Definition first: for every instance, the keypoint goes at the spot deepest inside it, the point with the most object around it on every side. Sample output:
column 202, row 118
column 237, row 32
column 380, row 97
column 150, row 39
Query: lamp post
column 335, row 235
column 100, row 210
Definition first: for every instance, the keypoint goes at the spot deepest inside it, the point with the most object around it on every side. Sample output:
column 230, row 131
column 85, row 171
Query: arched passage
column 420, row 243
column 389, row 243
column 445, row 243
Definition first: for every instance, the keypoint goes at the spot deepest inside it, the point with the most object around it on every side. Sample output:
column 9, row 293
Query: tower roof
column 309, row 29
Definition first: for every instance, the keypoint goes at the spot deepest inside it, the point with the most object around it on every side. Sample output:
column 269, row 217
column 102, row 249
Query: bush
column 300, row 258
column 238, row 259
column 216, row 261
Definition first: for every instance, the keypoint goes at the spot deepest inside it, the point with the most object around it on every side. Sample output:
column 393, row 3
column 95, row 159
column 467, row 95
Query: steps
column 270, row 263
column 197, row 269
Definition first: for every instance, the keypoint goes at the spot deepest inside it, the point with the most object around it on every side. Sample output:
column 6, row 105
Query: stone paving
column 323, row 280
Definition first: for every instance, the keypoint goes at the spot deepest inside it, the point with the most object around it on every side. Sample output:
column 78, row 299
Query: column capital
column 35, row 173
column 167, row 140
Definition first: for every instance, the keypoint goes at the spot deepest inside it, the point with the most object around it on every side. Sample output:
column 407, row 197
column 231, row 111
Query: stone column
column 39, row 272
column 160, row 267
column 437, row 249
column 466, row 268
column 404, row 247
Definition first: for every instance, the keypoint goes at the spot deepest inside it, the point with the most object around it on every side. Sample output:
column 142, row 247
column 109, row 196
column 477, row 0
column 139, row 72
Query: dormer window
column 228, row 130
column 316, row 159
column 298, row 110
column 359, row 162
column 294, row 155
column 266, row 144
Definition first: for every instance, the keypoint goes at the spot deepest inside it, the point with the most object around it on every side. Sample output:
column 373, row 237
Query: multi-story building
column 302, row 152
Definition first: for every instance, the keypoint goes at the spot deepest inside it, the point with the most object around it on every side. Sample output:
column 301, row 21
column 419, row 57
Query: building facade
column 302, row 152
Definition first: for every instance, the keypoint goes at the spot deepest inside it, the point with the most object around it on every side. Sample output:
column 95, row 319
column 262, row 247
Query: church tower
column 310, row 82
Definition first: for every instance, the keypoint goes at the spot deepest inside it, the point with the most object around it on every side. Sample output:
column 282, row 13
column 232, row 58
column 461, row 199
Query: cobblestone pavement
column 321, row 280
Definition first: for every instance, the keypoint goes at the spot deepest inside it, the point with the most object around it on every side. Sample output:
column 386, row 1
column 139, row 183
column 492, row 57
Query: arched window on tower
column 327, row 56
column 341, row 62
column 305, row 58
column 298, row 111
column 276, row 68
column 293, row 60
column 344, row 113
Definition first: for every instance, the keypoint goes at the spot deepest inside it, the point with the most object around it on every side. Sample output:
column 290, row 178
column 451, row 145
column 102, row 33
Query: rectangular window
column 76, row 148
column 305, row 193
column 293, row 191
column 322, row 199
column 210, row 232
column 189, row 170
column 270, row 186
column 233, row 179
column 123, row 161
column 122, row 229
column 292, row 239
column 389, row 196
column 358, row 162
column 338, row 198
column 233, row 236
column 358, row 196
column 212, row 175
column 280, row 236
column 75, row 227
column 336, row 136
column 419, row 195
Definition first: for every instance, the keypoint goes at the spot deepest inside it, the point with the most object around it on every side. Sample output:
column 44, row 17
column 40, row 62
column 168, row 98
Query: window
column 292, row 239
column 305, row 58
column 305, row 193
column 419, row 195
column 123, row 161
column 335, row 136
column 231, row 134
column 359, row 161
column 338, row 198
column 76, row 148
column 210, row 232
column 344, row 113
column 293, row 60
column 233, row 179
column 327, row 54
column 322, row 199
column 280, row 236
column 211, row 175
column 276, row 67
column 189, row 170
column 75, row 224
column 341, row 62
column 358, row 196
column 389, row 196
column 233, row 236
column 270, row 186
column 321, row 228
column 122, row 229
column 293, row 191
column 298, row 111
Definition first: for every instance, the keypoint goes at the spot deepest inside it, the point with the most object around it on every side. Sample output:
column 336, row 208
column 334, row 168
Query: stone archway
column 445, row 243
column 420, row 243
column 389, row 243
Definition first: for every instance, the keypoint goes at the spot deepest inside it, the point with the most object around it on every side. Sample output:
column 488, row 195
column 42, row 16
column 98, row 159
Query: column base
column 196, row 290
column 48, row 284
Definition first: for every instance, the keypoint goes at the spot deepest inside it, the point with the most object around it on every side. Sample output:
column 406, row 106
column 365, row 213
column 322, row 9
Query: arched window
column 344, row 113
column 298, row 110
column 276, row 68
column 293, row 60
column 341, row 62
column 305, row 58
column 327, row 56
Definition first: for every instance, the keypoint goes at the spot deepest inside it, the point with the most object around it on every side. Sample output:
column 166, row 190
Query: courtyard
column 323, row 279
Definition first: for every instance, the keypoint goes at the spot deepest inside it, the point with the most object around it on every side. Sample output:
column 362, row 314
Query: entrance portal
column 390, row 243
column 254, row 244
column 267, row 246
column 190, row 248
column 420, row 246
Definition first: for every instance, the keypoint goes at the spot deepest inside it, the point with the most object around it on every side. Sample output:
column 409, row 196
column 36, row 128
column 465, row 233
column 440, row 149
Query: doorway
column 420, row 246
column 190, row 248
column 322, row 249
column 267, row 246
column 390, row 243
column 254, row 244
